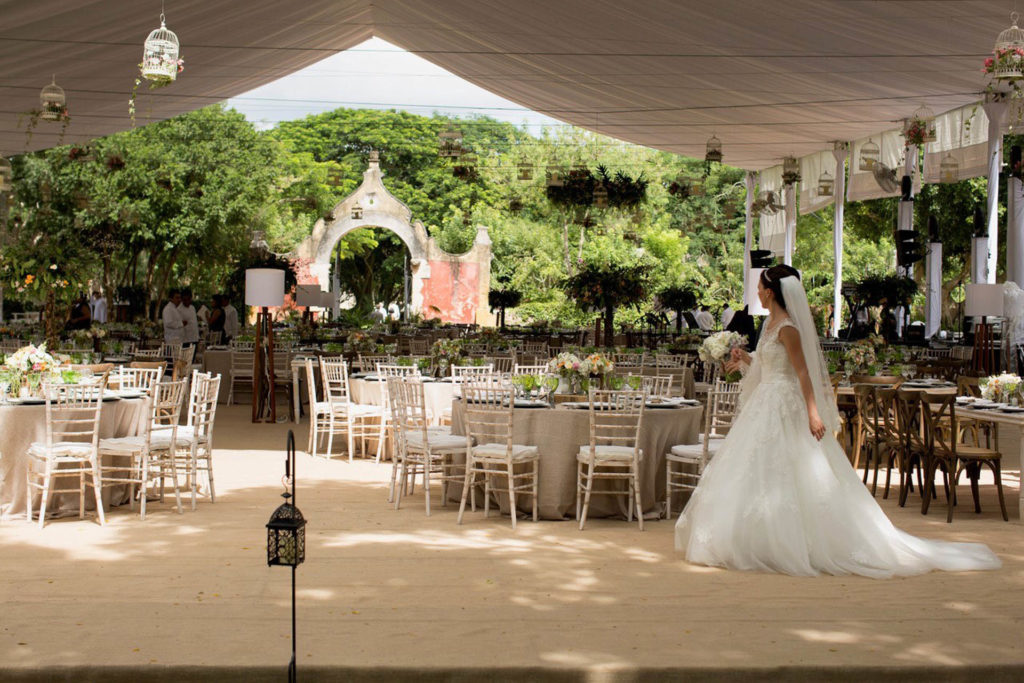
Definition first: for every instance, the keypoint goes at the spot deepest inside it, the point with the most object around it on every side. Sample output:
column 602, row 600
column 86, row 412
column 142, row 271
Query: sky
column 377, row 75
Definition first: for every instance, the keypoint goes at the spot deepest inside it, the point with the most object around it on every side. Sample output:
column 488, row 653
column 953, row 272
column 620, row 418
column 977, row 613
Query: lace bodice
column 772, row 354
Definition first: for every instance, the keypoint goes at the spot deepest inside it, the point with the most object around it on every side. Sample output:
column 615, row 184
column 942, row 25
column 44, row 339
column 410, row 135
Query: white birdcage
column 555, row 176
column 450, row 143
column 790, row 170
column 52, row 103
column 1009, row 66
column 949, row 169
column 714, row 150
column 926, row 119
column 160, row 60
column 600, row 196
column 525, row 170
column 826, row 185
column 6, row 174
column 869, row 155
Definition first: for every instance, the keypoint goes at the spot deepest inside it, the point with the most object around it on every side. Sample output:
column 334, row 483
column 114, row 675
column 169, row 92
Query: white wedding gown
column 775, row 499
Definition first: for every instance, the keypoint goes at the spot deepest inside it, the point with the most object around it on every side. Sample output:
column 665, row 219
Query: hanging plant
column 49, row 112
column 918, row 131
column 155, row 83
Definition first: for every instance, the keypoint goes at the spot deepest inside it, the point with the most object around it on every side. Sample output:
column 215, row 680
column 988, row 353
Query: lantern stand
column 286, row 537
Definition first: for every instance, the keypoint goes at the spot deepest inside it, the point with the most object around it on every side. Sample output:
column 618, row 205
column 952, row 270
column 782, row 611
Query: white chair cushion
column 693, row 452
column 438, row 441
column 497, row 451
column 607, row 454
column 185, row 436
column 358, row 409
column 61, row 449
column 124, row 445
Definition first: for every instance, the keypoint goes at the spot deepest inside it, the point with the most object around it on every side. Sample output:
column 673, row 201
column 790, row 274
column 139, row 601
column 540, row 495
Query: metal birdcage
column 926, row 119
column 160, row 61
column 600, row 196
column 6, row 174
column 555, row 176
column 525, row 170
column 869, row 155
column 450, row 143
column 1007, row 60
column 713, row 153
column 949, row 169
column 52, row 102
column 826, row 185
column 790, row 170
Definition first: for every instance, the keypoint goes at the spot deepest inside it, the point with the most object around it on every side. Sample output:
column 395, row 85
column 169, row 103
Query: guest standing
column 174, row 326
column 215, row 321
column 80, row 318
column 189, row 318
column 231, row 325
column 98, row 307
column 704, row 319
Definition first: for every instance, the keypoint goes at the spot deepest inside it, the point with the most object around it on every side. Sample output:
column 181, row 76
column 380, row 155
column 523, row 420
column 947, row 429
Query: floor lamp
column 308, row 296
column 984, row 301
column 264, row 287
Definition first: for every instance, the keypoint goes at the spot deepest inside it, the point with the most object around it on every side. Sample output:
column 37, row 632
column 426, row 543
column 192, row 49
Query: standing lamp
column 983, row 301
column 327, row 304
column 286, row 536
column 264, row 287
column 309, row 297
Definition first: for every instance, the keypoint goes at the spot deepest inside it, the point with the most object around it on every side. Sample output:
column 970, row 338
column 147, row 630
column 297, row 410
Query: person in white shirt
column 379, row 315
column 394, row 312
column 174, row 326
column 727, row 314
column 231, row 326
column 704, row 319
column 189, row 318
column 98, row 307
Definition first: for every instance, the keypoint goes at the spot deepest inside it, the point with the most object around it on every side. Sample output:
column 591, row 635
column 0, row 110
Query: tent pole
column 996, row 112
column 841, row 150
column 787, row 254
column 750, row 180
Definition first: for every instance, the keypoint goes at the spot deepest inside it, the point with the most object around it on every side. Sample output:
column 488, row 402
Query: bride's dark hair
column 772, row 280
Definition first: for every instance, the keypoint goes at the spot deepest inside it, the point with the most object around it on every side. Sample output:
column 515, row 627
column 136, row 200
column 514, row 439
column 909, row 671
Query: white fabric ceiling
column 770, row 78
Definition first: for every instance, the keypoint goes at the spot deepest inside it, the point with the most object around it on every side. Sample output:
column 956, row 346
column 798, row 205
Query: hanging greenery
column 577, row 189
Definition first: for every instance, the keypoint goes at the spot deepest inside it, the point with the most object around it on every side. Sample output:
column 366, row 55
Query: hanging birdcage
column 6, row 174
column 1007, row 60
column 925, row 118
column 949, row 169
column 790, row 170
column 713, row 153
column 825, row 185
column 357, row 211
column 869, row 155
column 600, row 196
column 680, row 187
column 450, row 143
column 160, row 62
column 525, row 170
column 555, row 178
column 52, row 102
column 579, row 171
column 465, row 167
column 515, row 205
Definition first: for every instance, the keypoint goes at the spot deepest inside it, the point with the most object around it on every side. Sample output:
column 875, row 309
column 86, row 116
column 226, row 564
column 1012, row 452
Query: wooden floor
column 388, row 595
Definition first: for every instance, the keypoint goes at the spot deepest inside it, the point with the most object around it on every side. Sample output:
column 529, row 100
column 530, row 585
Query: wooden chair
column 490, row 450
column 194, row 439
column 613, row 452
column 875, row 430
column 71, row 447
column 471, row 373
column 242, row 371
column 138, row 379
column 320, row 413
column 955, row 458
column 653, row 386
column 352, row 419
column 721, row 409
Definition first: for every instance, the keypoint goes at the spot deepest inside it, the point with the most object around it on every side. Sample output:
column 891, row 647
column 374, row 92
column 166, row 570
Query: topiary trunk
column 609, row 326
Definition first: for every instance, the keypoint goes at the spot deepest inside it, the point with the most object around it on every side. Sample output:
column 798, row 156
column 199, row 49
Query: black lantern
column 286, row 536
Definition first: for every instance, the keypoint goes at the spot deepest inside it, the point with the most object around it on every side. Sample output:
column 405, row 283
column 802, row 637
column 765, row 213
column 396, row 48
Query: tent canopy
column 770, row 79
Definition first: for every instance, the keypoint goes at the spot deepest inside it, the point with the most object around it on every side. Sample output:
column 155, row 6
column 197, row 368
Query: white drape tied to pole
column 811, row 168
column 840, row 153
column 772, row 228
column 968, row 145
column 862, row 184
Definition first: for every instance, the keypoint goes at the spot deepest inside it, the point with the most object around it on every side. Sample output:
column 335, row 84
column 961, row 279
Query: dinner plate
column 117, row 359
column 29, row 401
column 127, row 393
column 1011, row 409
column 524, row 403
column 585, row 405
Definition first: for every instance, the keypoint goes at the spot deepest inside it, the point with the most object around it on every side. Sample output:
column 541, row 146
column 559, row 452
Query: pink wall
column 452, row 289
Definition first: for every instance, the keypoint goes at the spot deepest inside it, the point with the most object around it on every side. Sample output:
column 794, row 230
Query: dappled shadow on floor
column 395, row 588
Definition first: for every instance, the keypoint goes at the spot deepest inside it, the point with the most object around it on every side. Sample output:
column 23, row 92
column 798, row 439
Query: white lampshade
column 984, row 300
column 308, row 295
column 753, row 303
column 264, row 287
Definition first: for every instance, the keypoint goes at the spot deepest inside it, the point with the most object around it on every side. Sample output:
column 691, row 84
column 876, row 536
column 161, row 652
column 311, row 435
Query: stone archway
column 453, row 287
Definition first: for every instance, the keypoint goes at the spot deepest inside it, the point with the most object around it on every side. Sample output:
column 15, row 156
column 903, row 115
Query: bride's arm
column 790, row 339
column 739, row 360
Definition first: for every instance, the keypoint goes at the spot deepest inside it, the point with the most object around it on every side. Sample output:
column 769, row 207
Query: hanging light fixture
column 825, row 185
column 869, row 155
column 450, row 143
column 600, row 196
column 6, row 174
column 160, row 61
column 1006, row 61
column 52, row 102
column 790, row 170
column 949, row 169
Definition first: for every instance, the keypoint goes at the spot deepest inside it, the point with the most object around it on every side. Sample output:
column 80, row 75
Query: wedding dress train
column 775, row 499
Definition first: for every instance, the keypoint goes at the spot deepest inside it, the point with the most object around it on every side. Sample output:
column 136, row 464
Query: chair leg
column 536, row 471
column 194, row 471
column 465, row 487
column 973, row 473
column 350, row 424
column 579, row 489
column 512, row 493
column 97, row 489
column 405, row 473
column 586, row 495
column 209, row 472
column 143, row 478
column 48, row 474
column 394, row 475
column 997, row 473
column 634, row 481
column 428, row 463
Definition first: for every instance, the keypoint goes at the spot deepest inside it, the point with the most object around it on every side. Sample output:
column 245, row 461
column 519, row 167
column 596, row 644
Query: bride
column 780, row 494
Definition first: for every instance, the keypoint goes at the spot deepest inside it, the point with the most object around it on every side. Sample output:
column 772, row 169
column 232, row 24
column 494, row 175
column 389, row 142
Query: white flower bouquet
column 718, row 347
column 1000, row 388
column 565, row 364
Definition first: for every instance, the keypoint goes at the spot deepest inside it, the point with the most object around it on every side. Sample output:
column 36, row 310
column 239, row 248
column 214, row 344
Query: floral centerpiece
column 569, row 368
column 718, row 348
column 1004, row 388
column 446, row 353
column 29, row 366
column 360, row 342
column 861, row 358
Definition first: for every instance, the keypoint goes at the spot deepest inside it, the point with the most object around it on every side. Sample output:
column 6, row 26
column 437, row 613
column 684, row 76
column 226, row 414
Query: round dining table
column 558, row 434
column 22, row 424
column 437, row 395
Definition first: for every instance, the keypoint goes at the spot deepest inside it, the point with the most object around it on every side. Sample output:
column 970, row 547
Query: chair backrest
column 418, row 347
column 488, row 413
column 968, row 386
column 628, row 360
column 541, row 369
column 334, row 375
column 471, row 373
column 148, row 364
column 99, row 371
column 73, row 413
column 385, row 370
column 940, row 423
column 368, row 363
column 660, row 386
column 615, row 419
column 147, row 354
column 722, row 407
column 868, row 412
column 242, row 363
column 412, row 405
column 242, row 345
column 888, row 427
column 711, row 371
column 890, row 380
column 214, row 337
column 669, row 360
column 394, row 390
column 165, row 403
column 282, row 364
column 170, row 351
column 908, row 404
column 203, row 406
column 142, row 379
column 503, row 363
column 534, row 348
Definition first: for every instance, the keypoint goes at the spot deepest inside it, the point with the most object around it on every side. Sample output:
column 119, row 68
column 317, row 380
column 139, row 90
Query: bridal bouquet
column 718, row 348
column 999, row 388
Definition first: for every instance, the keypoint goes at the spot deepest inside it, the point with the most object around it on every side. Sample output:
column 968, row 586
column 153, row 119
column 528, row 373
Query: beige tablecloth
column 219, row 363
column 436, row 395
column 21, row 425
column 559, row 433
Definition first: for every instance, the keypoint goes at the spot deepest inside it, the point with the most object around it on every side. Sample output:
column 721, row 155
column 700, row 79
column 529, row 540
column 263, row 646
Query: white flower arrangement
column 31, row 359
column 596, row 364
column 565, row 364
column 1000, row 387
column 718, row 347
